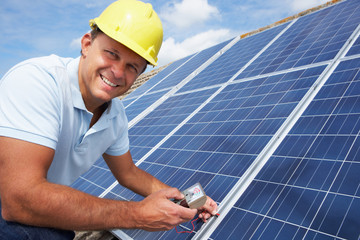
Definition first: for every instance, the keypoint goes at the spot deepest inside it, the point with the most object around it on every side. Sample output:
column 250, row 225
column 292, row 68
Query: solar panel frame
column 355, row 49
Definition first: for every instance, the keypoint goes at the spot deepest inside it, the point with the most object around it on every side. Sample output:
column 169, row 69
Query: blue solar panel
column 190, row 66
column 217, row 125
column 310, row 186
column 161, row 76
column 96, row 180
column 135, row 107
column 160, row 122
column 313, row 38
column 233, row 60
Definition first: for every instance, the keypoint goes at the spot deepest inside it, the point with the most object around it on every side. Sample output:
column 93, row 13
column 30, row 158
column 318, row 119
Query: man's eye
column 112, row 54
column 133, row 69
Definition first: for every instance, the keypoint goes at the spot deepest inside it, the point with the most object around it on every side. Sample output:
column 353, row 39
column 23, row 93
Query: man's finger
column 186, row 213
column 172, row 193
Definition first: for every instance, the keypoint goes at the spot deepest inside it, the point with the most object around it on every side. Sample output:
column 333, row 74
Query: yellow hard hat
column 134, row 24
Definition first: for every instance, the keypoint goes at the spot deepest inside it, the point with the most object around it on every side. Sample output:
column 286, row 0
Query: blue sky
column 43, row 27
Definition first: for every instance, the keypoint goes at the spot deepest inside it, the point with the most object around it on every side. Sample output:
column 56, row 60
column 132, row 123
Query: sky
column 43, row 27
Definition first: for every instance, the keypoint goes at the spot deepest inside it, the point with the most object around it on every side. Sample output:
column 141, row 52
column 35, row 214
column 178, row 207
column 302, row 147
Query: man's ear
column 85, row 44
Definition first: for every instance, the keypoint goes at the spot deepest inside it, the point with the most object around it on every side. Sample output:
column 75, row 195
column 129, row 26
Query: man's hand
column 208, row 210
column 157, row 213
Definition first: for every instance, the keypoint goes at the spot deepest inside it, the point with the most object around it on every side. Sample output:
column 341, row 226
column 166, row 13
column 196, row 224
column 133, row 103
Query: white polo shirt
column 40, row 102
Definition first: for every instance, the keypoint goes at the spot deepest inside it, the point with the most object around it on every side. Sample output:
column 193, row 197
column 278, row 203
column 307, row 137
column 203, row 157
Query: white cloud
column 301, row 5
column 76, row 43
column 188, row 12
column 172, row 50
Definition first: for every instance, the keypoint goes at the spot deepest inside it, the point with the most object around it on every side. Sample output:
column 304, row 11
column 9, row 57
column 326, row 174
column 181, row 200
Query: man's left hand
column 208, row 210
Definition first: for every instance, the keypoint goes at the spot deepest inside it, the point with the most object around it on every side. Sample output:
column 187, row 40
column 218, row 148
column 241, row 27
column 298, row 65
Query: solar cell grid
column 190, row 66
column 96, row 180
column 158, row 77
column 311, row 183
column 313, row 38
column 160, row 122
column 231, row 61
column 134, row 108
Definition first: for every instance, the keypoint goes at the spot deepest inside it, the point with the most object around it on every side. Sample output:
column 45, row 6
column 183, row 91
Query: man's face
column 107, row 69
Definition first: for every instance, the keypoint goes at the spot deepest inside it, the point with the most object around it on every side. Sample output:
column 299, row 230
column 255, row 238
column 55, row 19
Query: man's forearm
column 57, row 206
column 144, row 183
column 131, row 176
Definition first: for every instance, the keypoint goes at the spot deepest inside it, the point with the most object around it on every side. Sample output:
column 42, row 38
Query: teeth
column 108, row 82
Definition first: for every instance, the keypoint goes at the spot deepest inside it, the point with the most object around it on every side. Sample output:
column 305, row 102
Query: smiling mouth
column 105, row 80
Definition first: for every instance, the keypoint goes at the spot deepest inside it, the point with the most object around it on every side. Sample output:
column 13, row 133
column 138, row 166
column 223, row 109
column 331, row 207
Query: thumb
column 173, row 193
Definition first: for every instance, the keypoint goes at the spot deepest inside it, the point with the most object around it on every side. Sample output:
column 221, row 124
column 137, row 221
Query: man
column 59, row 115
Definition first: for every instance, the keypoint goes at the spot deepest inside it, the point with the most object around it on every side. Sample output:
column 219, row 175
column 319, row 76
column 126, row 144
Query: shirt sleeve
column 30, row 105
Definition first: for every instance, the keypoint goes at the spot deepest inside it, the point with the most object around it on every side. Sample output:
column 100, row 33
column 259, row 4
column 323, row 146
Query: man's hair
column 95, row 32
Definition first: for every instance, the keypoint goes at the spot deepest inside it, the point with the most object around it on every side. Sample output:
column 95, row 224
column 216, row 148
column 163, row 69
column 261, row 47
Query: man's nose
column 118, row 70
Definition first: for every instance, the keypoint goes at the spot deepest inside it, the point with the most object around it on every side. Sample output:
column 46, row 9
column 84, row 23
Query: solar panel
column 310, row 186
column 268, row 124
column 190, row 66
column 136, row 106
column 137, row 101
column 313, row 38
column 158, row 78
column 231, row 62
column 161, row 121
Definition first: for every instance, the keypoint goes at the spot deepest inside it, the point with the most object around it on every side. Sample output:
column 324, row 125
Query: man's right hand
column 157, row 213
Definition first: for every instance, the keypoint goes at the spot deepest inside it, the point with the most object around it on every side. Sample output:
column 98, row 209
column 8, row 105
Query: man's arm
column 132, row 177
column 27, row 197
